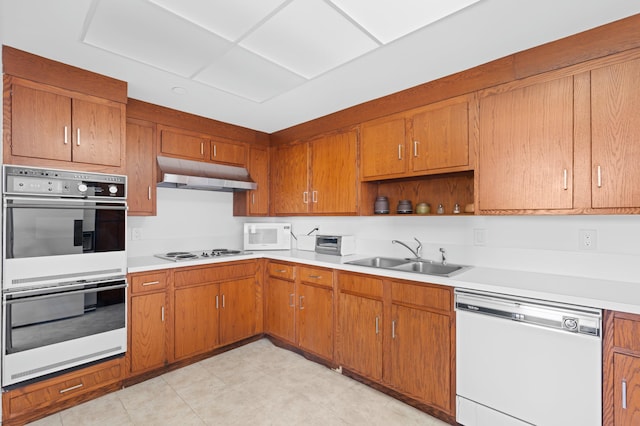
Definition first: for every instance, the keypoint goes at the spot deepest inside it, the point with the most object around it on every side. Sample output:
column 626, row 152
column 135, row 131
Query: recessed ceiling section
column 229, row 19
column 149, row 34
column 245, row 74
column 309, row 37
column 388, row 22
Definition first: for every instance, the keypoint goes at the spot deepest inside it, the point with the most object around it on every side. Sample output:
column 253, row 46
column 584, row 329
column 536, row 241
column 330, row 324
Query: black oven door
column 38, row 227
column 47, row 330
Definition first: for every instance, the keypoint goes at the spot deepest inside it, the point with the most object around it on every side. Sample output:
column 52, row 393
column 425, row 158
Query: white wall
column 190, row 220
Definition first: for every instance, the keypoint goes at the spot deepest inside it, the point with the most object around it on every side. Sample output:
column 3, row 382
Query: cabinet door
column 40, row 124
column 526, row 147
column 97, row 132
column 290, row 180
column 280, row 305
column 315, row 320
column 147, row 331
column 360, row 335
column 141, row 161
column 615, row 135
column 441, row 137
column 228, row 152
column 421, row 355
column 237, row 310
column 382, row 147
column 626, row 389
column 259, row 171
column 183, row 145
column 196, row 319
column 333, row 174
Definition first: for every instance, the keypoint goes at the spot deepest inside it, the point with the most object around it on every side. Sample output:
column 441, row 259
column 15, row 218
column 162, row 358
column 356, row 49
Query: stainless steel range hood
column 187, row 174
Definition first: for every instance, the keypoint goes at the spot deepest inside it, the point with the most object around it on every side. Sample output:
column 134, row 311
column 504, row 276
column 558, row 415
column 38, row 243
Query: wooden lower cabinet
column 214, row 306
column 400, row 334
column 33, row 401
column 299, row 307
column 621, row 369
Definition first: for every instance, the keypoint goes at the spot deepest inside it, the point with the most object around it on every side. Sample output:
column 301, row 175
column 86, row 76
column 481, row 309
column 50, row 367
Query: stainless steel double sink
column 418, row 266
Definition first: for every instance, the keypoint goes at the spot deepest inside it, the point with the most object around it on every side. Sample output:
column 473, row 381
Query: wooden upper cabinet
column 317, row 176
column 231, row 153
column 615, row 135
column 526, row 146
column 256, row 201
column 183, row 145
column 383, row 147
column 333, row 174
column 41, row 124
column 440, row 136
column 141, row 168
column 289, row 179
column 51, row 125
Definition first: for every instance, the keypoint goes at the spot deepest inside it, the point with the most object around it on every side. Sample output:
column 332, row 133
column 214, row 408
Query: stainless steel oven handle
column 61, row 293
column 64, row 207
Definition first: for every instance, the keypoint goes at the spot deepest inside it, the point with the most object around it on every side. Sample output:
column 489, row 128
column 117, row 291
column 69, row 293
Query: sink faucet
column 416, row 253
column 444, row 255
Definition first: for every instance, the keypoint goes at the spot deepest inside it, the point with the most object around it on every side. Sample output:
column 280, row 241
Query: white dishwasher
column 524, row 361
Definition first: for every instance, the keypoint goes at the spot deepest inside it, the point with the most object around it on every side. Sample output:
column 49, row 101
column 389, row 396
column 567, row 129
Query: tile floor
column 256, row 384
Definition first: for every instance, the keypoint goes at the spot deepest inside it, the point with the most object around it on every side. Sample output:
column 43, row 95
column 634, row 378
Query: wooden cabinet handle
column 71, row 388
column 150, row 283
column 624, row 394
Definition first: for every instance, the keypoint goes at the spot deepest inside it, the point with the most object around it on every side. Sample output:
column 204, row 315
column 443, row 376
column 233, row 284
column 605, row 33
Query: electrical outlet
column 479, row 237
column 136, row 234
column 588, row 239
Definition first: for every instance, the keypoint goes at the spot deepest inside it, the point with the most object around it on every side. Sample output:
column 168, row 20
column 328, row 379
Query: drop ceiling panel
column 149, row 34
column 309, row 37
column 388, row 22
column 229, row 19
column 245, row 74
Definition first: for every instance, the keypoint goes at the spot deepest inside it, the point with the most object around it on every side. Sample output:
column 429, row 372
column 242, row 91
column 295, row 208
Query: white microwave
column 267, row 236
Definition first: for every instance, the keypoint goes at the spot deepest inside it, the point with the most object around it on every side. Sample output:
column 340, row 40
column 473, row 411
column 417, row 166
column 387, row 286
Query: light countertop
column 596, row 293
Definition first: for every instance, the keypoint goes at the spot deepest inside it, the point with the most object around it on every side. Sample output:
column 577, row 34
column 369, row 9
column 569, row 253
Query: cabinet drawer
column 208, row 274
column 422, row 296
column 282, row 271
column 148, row 282
column 360, row 284
column 48, row 392
column 627, row 334
column 320, row 276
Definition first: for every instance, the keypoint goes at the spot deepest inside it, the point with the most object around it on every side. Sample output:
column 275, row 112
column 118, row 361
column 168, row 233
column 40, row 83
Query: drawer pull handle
column 281, row 271
column 315, row 277
column 215, row 151
column 201, row 148
column 71, row 388
column 150, row 283
column 624, row 394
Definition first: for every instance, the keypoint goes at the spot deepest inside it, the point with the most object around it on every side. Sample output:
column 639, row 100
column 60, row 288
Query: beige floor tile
column 258, row 384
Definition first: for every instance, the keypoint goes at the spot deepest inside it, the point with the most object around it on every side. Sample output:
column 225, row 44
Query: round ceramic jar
column 381, row 205
column 423, row 208
column 405, row 207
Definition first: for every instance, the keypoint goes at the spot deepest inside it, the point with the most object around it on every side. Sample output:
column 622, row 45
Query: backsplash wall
column 189, row 220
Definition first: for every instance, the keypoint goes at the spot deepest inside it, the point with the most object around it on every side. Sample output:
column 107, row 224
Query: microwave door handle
column 62, row 293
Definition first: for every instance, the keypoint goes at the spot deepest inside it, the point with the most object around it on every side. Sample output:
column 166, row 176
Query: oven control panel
column 35, row 181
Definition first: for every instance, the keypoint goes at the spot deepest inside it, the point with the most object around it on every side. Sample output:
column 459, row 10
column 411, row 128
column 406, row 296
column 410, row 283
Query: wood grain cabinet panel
column 315, row 319
column 226, row 152
column 141, row 168
column 280, row 308
column 148, row 331
column 626, row 394
column 196, row 320
column 526, row 147
column 183, row 145
column 237, row 307
column 256, row 201
column 615, row 135
column 383, row 147
column 52, row 125
column 290, row 179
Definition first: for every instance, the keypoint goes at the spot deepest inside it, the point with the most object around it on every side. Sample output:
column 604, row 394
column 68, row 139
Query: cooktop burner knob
column 113, row 189
column 82, row 187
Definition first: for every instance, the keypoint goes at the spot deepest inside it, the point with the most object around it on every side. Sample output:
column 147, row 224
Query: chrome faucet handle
column 419, row 248
column 444, row 255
